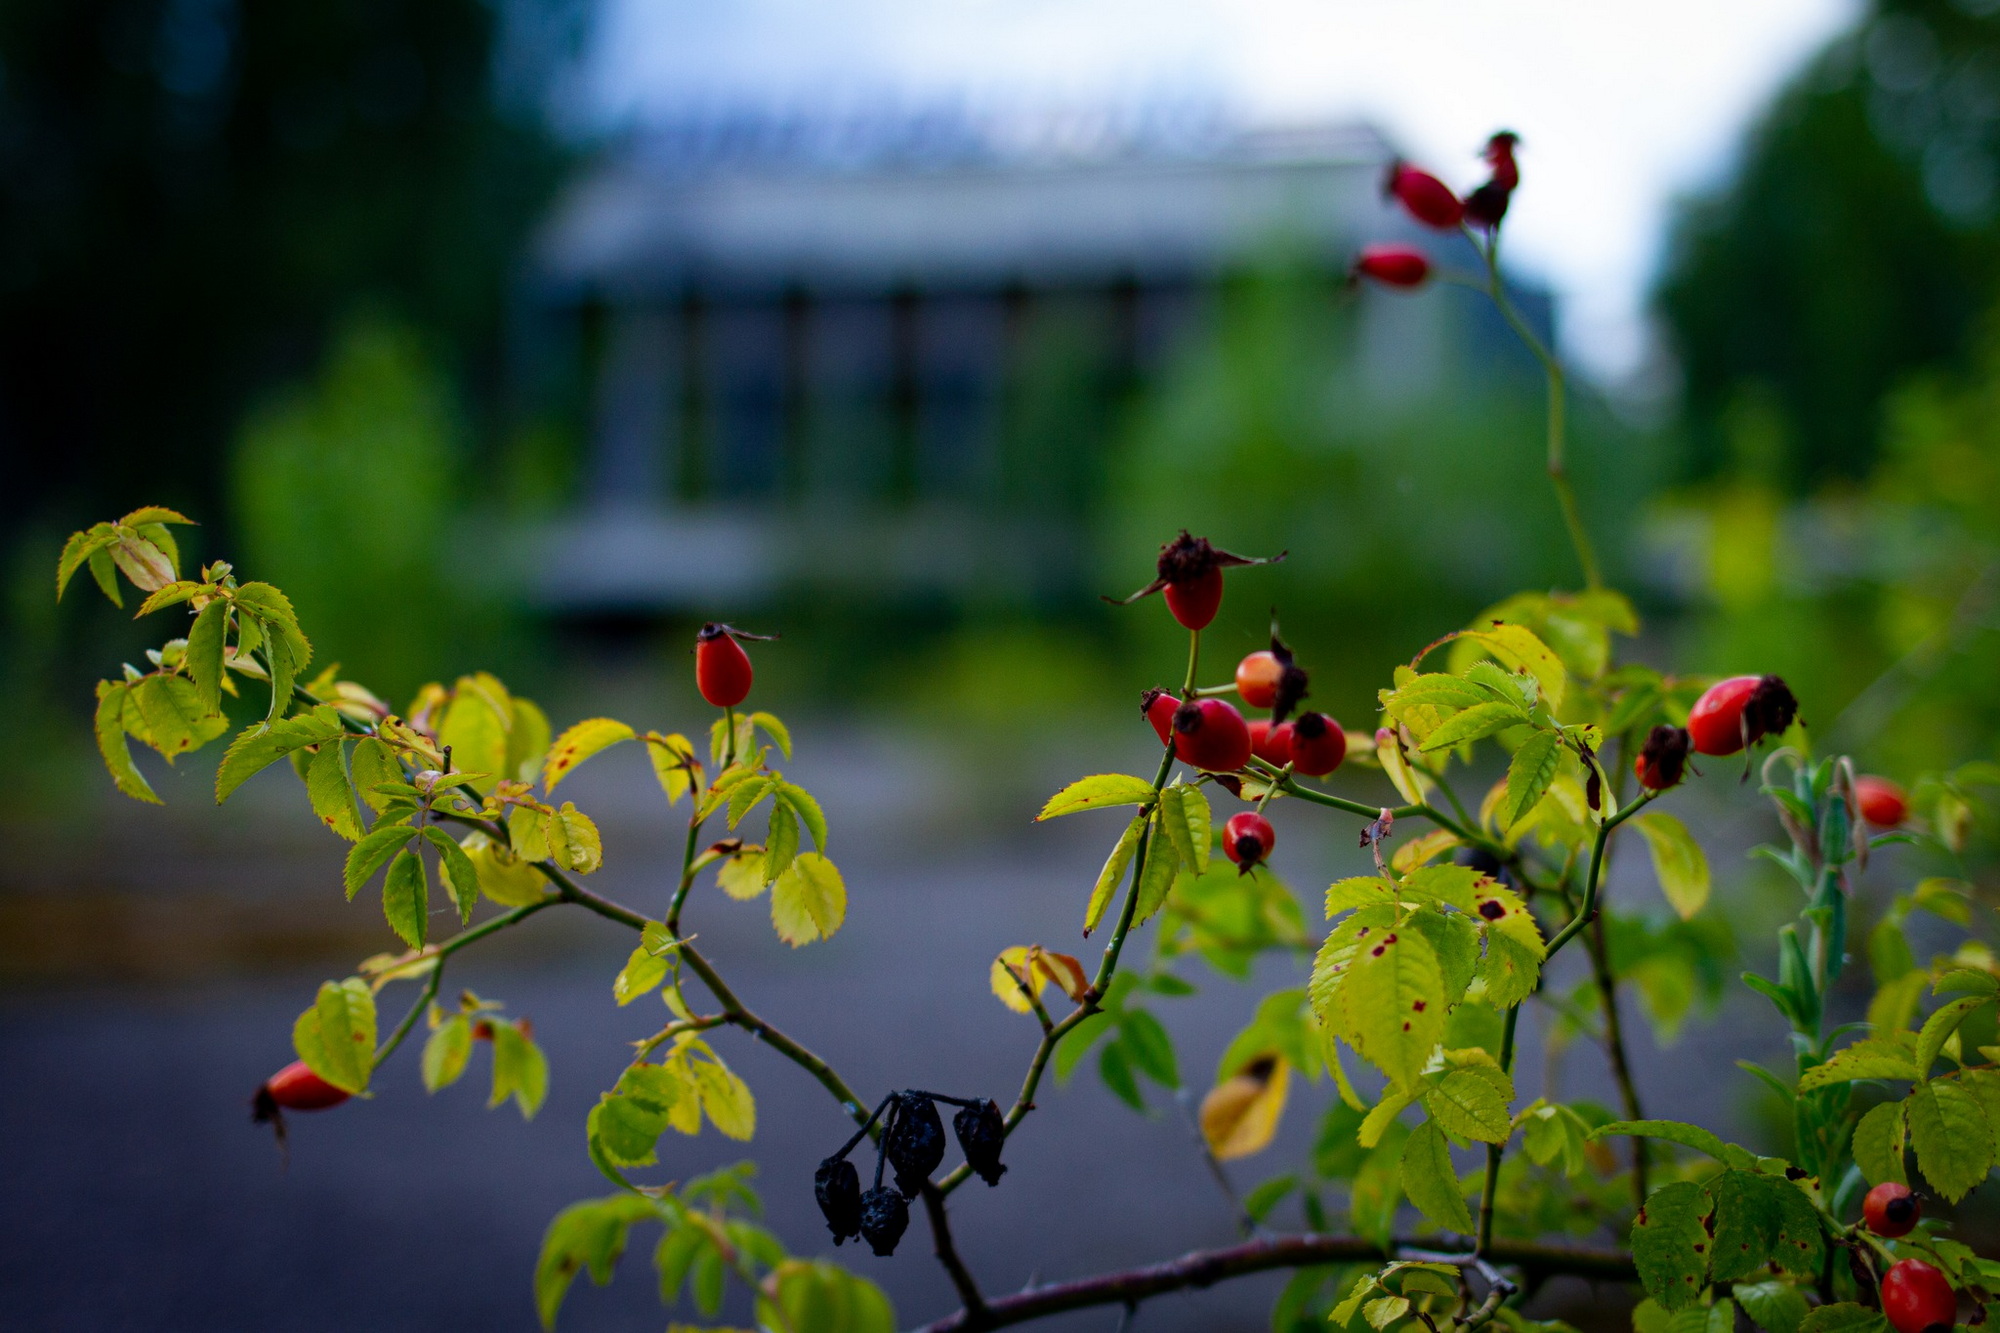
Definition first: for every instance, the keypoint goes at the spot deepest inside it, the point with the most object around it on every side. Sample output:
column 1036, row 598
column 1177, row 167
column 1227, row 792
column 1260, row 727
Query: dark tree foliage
column 1857, row 242
column 191, row 191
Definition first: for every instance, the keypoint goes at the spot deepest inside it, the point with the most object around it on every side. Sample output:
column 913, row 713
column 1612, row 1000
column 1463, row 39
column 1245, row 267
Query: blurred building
column 890, row 351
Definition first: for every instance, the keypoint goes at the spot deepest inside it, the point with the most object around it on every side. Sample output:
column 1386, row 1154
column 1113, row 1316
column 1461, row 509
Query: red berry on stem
column 1394, row 265
column 721, row 667
column 1211, row 734
column 1891, row 1210
column 1428, row 199
column 1662, row 762
column 1882, row 802
column 1247, row 838
column 1740, row 711
column 1917, row 1298
column 1318, row 745
column 1272, row 744
column 1257, row 677
column 1190, row 573
column 297, row 1088
column 1158, row 707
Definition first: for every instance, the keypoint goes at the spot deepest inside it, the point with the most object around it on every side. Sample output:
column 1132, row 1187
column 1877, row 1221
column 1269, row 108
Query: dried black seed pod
column 981, row 1132
column 884, row 1218
column 837, row 1186
column 1769, row 710
column 914, row 1143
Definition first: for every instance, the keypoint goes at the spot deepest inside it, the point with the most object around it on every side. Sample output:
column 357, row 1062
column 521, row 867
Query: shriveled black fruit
column 981, row 1132
column 884, row 1219
column 914, row 1143
column 837, row 1186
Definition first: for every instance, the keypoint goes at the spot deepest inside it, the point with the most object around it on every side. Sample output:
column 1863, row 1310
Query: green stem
column 1558, row 467
column 424, row 999
column 1194, row 660
column 1496, row 1151
column 673, row 921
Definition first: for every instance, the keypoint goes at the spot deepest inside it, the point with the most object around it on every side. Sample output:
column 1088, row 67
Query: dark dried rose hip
column 1662, row 761
column 837, row 1186
column 914, row 1142
column 884, row 1219
column 981, row 1132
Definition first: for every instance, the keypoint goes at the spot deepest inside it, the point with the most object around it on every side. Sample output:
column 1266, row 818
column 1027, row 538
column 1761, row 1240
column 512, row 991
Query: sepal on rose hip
column 884, row 1219
column 981, row 1134
column 837, row 1187
column 1486, row 206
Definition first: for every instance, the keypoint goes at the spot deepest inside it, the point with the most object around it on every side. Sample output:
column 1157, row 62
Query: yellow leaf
column 808, row 901
column 588, row 738
column 1065, row 971
column 1240, row 1114
column 742, row 875
column 1011, row 964
column 1417, row 851
column 673, row 763
column 503, row 876
column 1390, row 755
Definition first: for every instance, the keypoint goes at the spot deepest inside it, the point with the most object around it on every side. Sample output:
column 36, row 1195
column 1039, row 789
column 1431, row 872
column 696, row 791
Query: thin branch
column 424, row 998
column 947, row 1255
column 1204, row 1268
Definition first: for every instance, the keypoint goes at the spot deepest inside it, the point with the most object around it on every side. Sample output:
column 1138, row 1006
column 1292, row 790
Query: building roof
column 751, row 213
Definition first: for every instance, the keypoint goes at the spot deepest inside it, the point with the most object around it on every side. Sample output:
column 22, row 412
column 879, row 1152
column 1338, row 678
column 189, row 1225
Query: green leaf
column 589, row 1235
column 1939, row 1026
column 106, row 575
column 1672, row 1131
column 80, row 548
column 585, row 740
column 1844, row 1317
column 1533, row 768
column 1185, row 816
column 476, row 725
column 1954, row 1143
column 808, row 901
column 520, row 1070
column 110, row 727
column 1873, row 1058
column 446, row 1053
column 336, row 1037
column 1394, row 997
column 745, row 795
column 1428, row 1178
column 572, row 840
column 1669, row 1244
column 1775, row 1307
column 455, row 868
column 781, row 841
column 1114, row 1066
column 373, row 852
column 326, row 787
column 406, row 898
column 820, row 1297
column 262, row 744
column 643, row 971
column 1458, row 886
column 1801, row 1247
column 1455, row 940
column 1678, row 861
column 1361, row 891
column 1098, row 793
column 1265, row 1197
column 1378, row 1188
column 176, row 721
column 1879, row 1144
column 371, row 764
column 1473, row 724
column 1472, row 1102
column 1114, row 871
column 1518, row 649
column 1746, row 1223
column 775, row 729
column 1156, row 878
column 1552, row 1134
column 1435, row 689
column 807, row 809
column 1149, row 1047
column 204, row 653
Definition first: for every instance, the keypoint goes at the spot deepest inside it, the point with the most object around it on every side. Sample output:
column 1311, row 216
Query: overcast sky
column 1621, row 104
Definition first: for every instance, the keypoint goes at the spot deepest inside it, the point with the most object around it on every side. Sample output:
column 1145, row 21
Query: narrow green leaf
column 1941, row 1025
column 1150, row 1048
column 455, row 868
column 1670, row 1245
column 590, row 1236
column 1879, row 1144
column 807, row 809
column 111, row 744
column 1533, row 768
column 80, row 547
column 264, row 743
column 1672, row 1131
column 1176, row 820
column 1431, row 1182
column 204, row 653
column 446, row 1053
column 1864, row 1059
column 406, row 898
column 326, row 787
column 781, row 841
column 1113, row 872
column 775, row 729
column 1098, row 793
column 1844, row 1317
column 1678, row 861
column 1163, row 863
column 1473, row 1102
column 1473, row 724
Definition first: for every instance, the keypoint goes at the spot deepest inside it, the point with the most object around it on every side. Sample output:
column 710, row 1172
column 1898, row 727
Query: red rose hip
column 1740, row 711
column 721, row 667
column 1257, row 678
column 1891, row 1210
column 1211, row 734
column 1195, row 601
column 1882, row 802
column 297, row 1088
column 1189, row 572
column 1159, row 707
column 1247, row 838
column 1662, row 761
column 1917, row 1298
column 1318, row 745
column 1272, row 744
column 1428, row 199
column 1393, row 266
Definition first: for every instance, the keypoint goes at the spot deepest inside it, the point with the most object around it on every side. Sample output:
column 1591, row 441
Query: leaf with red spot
column 1395, row 1003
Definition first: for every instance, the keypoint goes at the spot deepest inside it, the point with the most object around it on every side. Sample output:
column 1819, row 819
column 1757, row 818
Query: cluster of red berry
column 1431, row 202
column 1916, row 1296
